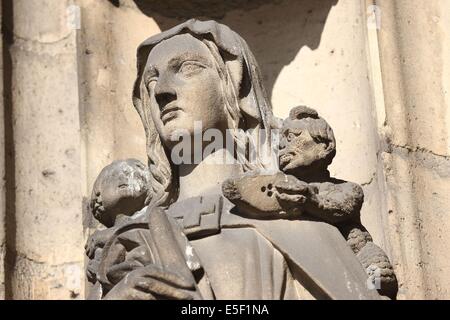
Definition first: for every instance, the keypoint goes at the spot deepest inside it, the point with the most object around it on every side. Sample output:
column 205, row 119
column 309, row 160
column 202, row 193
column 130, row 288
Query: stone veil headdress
column 251, row 109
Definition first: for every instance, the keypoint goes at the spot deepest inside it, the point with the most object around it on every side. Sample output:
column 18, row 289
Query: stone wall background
column 67, row 113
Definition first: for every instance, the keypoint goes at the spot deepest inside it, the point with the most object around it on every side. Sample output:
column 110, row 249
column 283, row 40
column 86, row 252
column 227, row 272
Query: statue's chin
column 174, row 125
column 174, row 132
column 295, row 169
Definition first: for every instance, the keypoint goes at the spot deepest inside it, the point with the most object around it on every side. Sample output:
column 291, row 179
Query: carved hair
column 245, row 101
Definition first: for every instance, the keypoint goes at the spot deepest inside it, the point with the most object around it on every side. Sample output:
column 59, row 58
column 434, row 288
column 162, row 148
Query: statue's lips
column 169, row 112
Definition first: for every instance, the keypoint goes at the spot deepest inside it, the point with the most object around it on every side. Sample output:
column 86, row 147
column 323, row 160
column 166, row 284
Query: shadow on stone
column 275, row 30
column 10, row 170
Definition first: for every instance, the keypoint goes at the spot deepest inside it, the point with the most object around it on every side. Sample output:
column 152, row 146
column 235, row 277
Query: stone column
column 45, row 234
column 414, row 45
column 2, row 171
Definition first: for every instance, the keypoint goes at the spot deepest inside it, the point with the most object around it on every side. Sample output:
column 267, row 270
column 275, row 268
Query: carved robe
column 269, row 259
column 243, row 258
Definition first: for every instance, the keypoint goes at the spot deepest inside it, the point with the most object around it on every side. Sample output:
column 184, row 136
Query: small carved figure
column 307, row 148
column 118, row 201
column 119, row 191
column 305, row 189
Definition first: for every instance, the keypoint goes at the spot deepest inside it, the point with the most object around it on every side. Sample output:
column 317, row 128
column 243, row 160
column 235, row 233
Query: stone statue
column 307, row 147
column 119, row 192
column 239, row 229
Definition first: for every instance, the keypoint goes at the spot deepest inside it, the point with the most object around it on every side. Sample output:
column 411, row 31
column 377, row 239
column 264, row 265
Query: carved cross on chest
column 198, row 216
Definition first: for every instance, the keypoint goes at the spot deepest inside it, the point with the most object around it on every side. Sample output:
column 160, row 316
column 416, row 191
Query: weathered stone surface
column 188, row 9
column 120, row 190
column 2, row 173
column 203, row 72
column 44, row 216
column 257, row 195
column 415, row 59
column 384, row 92
column 317, row 54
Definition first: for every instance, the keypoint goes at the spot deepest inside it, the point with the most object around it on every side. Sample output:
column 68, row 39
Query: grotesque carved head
column 120, row 189
column 307, row 144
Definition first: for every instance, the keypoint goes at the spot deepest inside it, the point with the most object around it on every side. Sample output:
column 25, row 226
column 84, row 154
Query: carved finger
column 295, row 198
column 290, row 186
column 163, row 290
column 89, row 248
column 141, row 295
column 95, row 241
column 119, row 271
column 89, row 252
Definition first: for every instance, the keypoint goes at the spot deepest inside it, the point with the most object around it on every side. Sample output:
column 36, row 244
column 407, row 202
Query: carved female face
column 184, row 87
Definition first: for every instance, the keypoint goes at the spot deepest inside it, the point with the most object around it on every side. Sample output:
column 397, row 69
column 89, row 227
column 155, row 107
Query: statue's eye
column 151, row 81
column 190, row 67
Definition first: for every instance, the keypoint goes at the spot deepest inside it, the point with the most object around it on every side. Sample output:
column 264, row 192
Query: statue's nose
column 164, row 92
column 164, row 99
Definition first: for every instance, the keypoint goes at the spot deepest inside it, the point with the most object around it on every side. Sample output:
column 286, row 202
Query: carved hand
column 92, row 266
column 294, row 191
column 97, row 240
column 336, row 202
column 152, row 283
